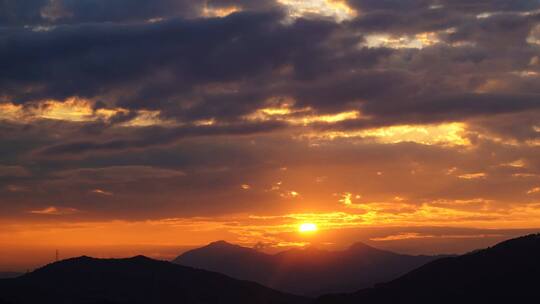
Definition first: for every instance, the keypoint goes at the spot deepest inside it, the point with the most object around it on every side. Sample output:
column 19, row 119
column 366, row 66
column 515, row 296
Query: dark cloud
column 54, row 12
column 153, row 136
column 463, row 6
column 474, row 62
column 118, row 174
column 454, row 107
column 114, row 61
column 180, row 66
column 399, row 22
column 149, row 65
column 491, row 5
column 13, row 171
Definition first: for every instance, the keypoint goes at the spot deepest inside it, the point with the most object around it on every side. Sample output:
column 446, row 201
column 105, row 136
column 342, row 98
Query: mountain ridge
column 505, row 273
column 135, row 280
column 306, row 271
column 9, row 274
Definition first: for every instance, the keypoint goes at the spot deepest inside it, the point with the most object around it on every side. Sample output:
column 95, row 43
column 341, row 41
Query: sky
column 137, row 126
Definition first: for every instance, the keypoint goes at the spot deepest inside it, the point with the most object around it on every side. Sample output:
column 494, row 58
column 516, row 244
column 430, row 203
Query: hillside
column 506, row 273
column 134, row 280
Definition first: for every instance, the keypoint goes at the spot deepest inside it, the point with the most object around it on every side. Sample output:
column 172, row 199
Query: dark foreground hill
column 506, row 273
column 309, row 271
column 9, row 275
column 130, row 281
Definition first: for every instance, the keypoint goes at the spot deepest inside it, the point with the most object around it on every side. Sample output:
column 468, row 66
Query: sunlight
column 219, row 12
column 339, row 10
column 300, row 117
column 79, row 110
column 417, row 41
column 307, row 227
column 446, row 134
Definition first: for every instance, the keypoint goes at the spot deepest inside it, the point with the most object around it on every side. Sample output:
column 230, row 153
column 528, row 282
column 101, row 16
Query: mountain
column 132, row 281
column 309, row 271
column 506, row 273
column 9, row 275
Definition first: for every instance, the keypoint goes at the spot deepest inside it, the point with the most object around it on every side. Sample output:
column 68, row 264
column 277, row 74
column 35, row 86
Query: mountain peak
column 360, row 246
column 74, row 260
column 505, row 273
column 308, row 270
column 82, row 258
column 215, row 251
column 224, row 246
column 141, row 258
column 221, row 243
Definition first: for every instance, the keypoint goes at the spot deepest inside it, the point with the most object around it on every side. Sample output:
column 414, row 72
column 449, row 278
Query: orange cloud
column 299, row 117
column 102, row 192
column 534, row 190
column 479, row 175
column 52, row 210
column 446, row 134
column 213, row 12
column 76, row 110
column 416, row 41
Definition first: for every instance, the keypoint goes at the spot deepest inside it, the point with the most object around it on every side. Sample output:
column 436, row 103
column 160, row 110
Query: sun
column 307, row 227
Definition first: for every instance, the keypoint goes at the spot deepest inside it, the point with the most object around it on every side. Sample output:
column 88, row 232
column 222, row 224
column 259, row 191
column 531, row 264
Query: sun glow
column 79, row 111
column 301, row 117
column 307, row 227
column 219, row 12
column 446, row 134
column 337, row 9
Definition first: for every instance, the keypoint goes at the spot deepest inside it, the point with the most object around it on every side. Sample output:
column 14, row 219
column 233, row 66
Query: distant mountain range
column 132, row 281
column 310, row 271
column 506, row 273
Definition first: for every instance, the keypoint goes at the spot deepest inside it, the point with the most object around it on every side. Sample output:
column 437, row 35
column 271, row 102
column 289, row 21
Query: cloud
column 401, row 236
column 339, row 10
column 15, row 188
column 87, row 11
column 54, row 10
column 155, row 136
column 534, row 190
column 118, row 174
column 102, row 192
column 416, row 235
column 290, row 194
column 52, row 210
column 479, row 175
column 173, row 105
column 13, row 171
column 335, row 67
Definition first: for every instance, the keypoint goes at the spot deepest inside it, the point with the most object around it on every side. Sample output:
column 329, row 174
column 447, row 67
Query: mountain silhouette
column 308, row 271
column 132, row 281
column 506, row 273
